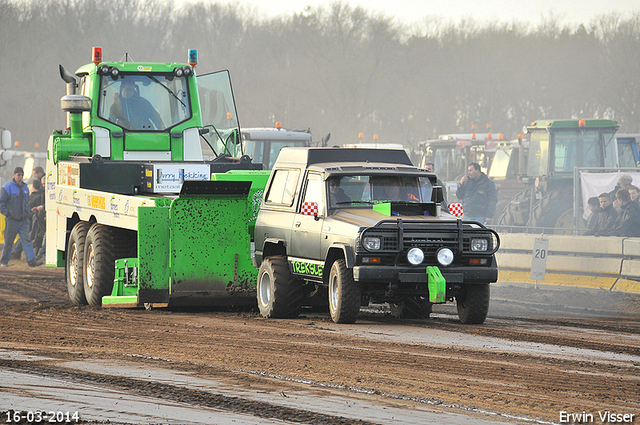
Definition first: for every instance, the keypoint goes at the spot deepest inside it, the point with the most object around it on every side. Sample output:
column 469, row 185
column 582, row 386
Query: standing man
column 14, row 205
column 478, row 194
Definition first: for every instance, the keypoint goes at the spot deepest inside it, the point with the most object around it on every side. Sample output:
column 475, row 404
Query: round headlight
column 445, row 256
column 415, row 256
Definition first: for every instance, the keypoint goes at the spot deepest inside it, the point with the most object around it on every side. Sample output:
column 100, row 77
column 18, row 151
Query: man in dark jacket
column 14, row 205
column 478, row 194
column 607, row 218
column 629, row 219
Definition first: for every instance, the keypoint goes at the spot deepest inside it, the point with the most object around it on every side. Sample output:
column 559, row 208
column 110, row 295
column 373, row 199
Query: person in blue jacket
column 478, row 195
column 14, row 205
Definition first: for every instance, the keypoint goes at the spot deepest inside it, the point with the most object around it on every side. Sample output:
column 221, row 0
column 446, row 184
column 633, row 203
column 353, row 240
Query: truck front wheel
column 279, row 292
column 344, row 294
column 74, row 265
column 473, row 304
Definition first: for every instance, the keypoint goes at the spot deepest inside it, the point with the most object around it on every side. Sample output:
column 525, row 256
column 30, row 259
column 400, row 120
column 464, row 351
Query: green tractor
column 554, row 149
column 135, row 212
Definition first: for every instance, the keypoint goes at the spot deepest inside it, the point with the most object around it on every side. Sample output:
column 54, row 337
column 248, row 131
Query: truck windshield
column 144, row 102
column 364, row 189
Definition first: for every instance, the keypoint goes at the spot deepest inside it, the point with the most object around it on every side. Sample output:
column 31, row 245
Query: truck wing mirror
column 310, row 208
column 437, row 195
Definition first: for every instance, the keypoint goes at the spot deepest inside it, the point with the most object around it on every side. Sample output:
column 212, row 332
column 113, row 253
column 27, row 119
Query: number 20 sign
column 539, row 259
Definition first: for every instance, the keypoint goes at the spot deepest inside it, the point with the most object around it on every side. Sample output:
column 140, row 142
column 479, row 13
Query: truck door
column 305, row 241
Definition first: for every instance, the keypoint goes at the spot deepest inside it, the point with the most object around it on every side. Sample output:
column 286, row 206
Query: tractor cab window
column 583, row 148
column 538, row 154
column 144, row 102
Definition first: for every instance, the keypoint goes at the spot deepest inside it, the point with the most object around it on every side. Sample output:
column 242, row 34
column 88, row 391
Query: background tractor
column 554, row 149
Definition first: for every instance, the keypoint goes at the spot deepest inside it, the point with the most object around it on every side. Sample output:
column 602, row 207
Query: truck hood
column 367, row 217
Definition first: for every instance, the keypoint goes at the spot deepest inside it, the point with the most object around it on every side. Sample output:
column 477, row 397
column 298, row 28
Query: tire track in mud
column 313, row 349
column 182, row 394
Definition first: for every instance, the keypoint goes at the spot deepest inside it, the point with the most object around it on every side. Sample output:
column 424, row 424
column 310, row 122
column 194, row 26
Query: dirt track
column 540, row 352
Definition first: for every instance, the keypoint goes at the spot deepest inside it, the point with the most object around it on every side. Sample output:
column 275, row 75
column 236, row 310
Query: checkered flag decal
column 455, row 209
column 310, row 208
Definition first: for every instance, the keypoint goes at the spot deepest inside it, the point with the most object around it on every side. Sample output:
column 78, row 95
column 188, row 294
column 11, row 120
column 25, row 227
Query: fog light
column 415, row 256
column 444, row 256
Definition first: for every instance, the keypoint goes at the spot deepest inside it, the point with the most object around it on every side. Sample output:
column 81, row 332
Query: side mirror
column 310, row 208
column 437, row 195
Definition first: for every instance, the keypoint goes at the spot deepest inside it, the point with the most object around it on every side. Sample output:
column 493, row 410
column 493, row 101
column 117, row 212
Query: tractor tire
column 554, row 206
column 103, row 246
column 411, row 308
column 279, row 293
column 508, row 215
column 344, row 294
column 74, row 264
column 473, row 304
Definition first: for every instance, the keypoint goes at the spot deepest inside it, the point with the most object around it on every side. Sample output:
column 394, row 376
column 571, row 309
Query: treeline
column 337, row 69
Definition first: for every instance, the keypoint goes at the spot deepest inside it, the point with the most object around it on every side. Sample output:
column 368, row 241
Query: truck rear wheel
column 103, row 246
column 279, row 292
column 74, row 264
column 344, row 294
column 411, row 308
column 473, row 304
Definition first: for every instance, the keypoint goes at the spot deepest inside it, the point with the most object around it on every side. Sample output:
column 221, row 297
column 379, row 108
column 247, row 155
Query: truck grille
column 429, row 240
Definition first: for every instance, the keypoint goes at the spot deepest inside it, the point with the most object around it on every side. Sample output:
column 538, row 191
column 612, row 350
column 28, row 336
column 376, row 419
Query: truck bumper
column 419, row 275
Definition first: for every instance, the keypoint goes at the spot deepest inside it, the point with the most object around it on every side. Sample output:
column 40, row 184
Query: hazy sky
column 566, row 11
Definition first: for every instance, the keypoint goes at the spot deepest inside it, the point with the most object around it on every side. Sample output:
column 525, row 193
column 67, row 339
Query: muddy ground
column 541, row 352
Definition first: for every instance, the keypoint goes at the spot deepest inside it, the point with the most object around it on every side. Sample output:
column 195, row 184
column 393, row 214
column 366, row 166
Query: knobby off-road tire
column 411, row 308
column 103, row 246
column 547, row 211
column 279, row 293
column 473, row 304
column 344, row 294
column 506, row 217
column 74, row 264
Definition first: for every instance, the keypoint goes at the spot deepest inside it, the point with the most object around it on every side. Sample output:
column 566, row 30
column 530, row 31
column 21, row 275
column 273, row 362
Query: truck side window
column 283, row 187
column 313, row 191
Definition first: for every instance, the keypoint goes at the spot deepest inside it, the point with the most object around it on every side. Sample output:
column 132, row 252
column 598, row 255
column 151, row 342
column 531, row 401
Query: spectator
column 14, row 205
column 594, row 207
column 478, row 194
column 36, row 202
column 629, row 220
column 634, row 192
column 429, row 166
column 624, row 182
column 607, row 218
column 38, row 176
column 38, row 173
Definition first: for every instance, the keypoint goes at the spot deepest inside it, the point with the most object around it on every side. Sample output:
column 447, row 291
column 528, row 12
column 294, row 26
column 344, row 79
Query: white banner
column 594, row 184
